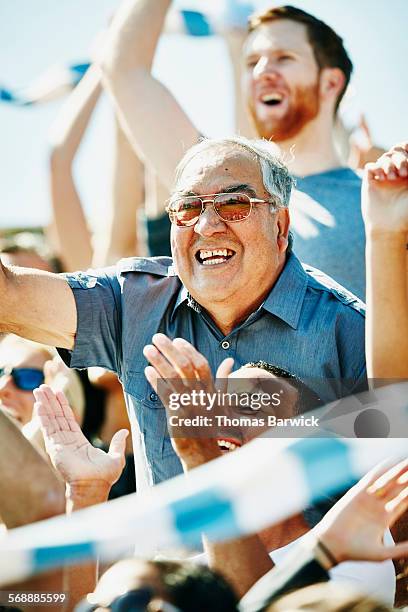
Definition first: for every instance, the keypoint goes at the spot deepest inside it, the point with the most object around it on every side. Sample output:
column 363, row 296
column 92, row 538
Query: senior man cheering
column 233, row 289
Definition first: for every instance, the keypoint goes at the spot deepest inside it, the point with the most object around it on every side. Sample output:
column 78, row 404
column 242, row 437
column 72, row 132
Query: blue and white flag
column 55, row 82
column 238, row 494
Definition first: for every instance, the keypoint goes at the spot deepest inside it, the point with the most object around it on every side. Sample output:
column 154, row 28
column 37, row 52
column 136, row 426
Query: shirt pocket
column 151, row 416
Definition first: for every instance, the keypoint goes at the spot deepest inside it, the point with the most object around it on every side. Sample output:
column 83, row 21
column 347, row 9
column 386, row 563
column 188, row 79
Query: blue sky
column 36, row 35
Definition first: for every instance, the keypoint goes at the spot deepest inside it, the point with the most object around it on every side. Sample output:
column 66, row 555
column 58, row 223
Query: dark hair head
column 195, row 588
column 307, row 398
column 328, row 47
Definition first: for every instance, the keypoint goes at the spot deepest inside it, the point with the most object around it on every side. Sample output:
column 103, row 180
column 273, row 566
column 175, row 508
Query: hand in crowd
column 77, row 461
column 385, row 191
column 354, row 527
column 177, row 367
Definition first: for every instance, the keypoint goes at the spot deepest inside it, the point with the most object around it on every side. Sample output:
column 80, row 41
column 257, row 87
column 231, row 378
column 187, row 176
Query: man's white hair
column 275, row 176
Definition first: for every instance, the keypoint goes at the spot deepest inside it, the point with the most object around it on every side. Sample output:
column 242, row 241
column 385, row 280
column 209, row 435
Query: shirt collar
column 285, row 299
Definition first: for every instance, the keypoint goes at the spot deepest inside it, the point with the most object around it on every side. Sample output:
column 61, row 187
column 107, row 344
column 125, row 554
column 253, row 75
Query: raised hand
column 177, row 367
column 71, row 454
column 385, row 192
column 354, row 527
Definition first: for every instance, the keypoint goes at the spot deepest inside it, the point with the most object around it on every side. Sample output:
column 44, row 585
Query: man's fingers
column 223, row 371
column 48, row 426
column 391, row 166
column 181, row 362
column 152, row 377
column 385, row 483
column 393, row 552
column 160, row 385
column 397, row 506
column 201, row 367
column 118, row 445
column 67, row 411
column 164, row 369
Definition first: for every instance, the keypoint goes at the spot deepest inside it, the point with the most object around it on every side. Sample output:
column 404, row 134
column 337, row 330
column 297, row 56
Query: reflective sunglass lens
column 185, row 211
column 27, row 379
column 234, row 207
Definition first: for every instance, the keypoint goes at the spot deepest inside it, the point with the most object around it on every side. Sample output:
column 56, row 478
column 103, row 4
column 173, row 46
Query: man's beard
column 303, row 108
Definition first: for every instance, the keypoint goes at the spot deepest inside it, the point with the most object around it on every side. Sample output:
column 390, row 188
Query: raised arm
column 385, row 212
column 69, row 222
column 157, row 127
column 127, row 196
column 37, row 305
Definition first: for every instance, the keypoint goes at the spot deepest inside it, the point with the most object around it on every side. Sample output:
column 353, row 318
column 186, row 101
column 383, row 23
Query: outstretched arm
column 155, row 124
column 127, row 196
column 37, row 305
column 69, row 222
column 385, row 212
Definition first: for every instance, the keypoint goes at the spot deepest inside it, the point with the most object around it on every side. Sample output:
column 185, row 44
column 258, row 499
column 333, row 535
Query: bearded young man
column 296, row 71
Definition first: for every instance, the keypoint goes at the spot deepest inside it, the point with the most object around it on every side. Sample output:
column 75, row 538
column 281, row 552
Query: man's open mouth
column 227, row 446
column 272, row 99
column 214, row 257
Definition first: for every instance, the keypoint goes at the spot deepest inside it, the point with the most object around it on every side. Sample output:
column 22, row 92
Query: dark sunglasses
column 26, row 379
column 230, row 207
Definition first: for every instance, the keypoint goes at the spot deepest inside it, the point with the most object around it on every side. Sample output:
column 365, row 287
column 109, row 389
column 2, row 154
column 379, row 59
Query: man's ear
column 332, row 82
column 283, row 229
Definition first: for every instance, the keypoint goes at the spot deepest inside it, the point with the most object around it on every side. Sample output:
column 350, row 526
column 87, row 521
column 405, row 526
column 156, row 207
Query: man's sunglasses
column 26, row 379
column 230, row 207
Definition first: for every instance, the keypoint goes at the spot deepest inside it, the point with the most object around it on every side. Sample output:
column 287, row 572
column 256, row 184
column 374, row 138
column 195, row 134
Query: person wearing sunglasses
column 21, row 371
column 234, row 288
column 24, row 366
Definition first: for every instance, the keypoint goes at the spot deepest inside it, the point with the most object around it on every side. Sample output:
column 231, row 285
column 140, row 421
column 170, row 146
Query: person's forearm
column 72, row 120
column 30, row 488
column 69, row 223
column 81, row 495
column 156, row 126
column 133, row 36
column 127, row 198
column 37, row 305
column 79, row 580
column 242, row 562
column 387, row 305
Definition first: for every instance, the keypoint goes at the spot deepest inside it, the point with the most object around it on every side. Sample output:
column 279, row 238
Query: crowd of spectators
column 257, row 263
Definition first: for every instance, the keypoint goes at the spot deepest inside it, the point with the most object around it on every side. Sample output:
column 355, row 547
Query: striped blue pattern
column 73, row 74
column 224, row 498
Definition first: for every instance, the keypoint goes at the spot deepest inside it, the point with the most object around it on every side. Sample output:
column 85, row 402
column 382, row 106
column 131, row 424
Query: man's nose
column 266, row 68
column 209, row 223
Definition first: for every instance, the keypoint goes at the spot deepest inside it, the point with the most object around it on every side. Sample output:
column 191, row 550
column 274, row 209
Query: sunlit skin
column 16, row 353
column 279, row 59
column 229, row 291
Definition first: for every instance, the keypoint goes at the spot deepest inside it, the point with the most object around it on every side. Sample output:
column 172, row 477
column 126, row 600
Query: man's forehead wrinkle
column 207, row 173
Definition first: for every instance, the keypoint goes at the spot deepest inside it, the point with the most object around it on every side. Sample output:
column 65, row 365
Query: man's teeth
column 210, row 258
column 272, row 97
column 226, row 444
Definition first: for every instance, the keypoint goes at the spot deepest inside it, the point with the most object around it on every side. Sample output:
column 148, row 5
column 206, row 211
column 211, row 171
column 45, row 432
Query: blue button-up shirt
column 307, row 325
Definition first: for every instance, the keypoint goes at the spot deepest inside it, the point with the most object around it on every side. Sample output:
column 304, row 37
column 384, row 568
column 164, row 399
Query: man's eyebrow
column 241, row 188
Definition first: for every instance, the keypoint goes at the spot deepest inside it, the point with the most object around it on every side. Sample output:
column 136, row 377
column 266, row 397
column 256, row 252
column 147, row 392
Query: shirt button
column 225, row 344
column 153, row 397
